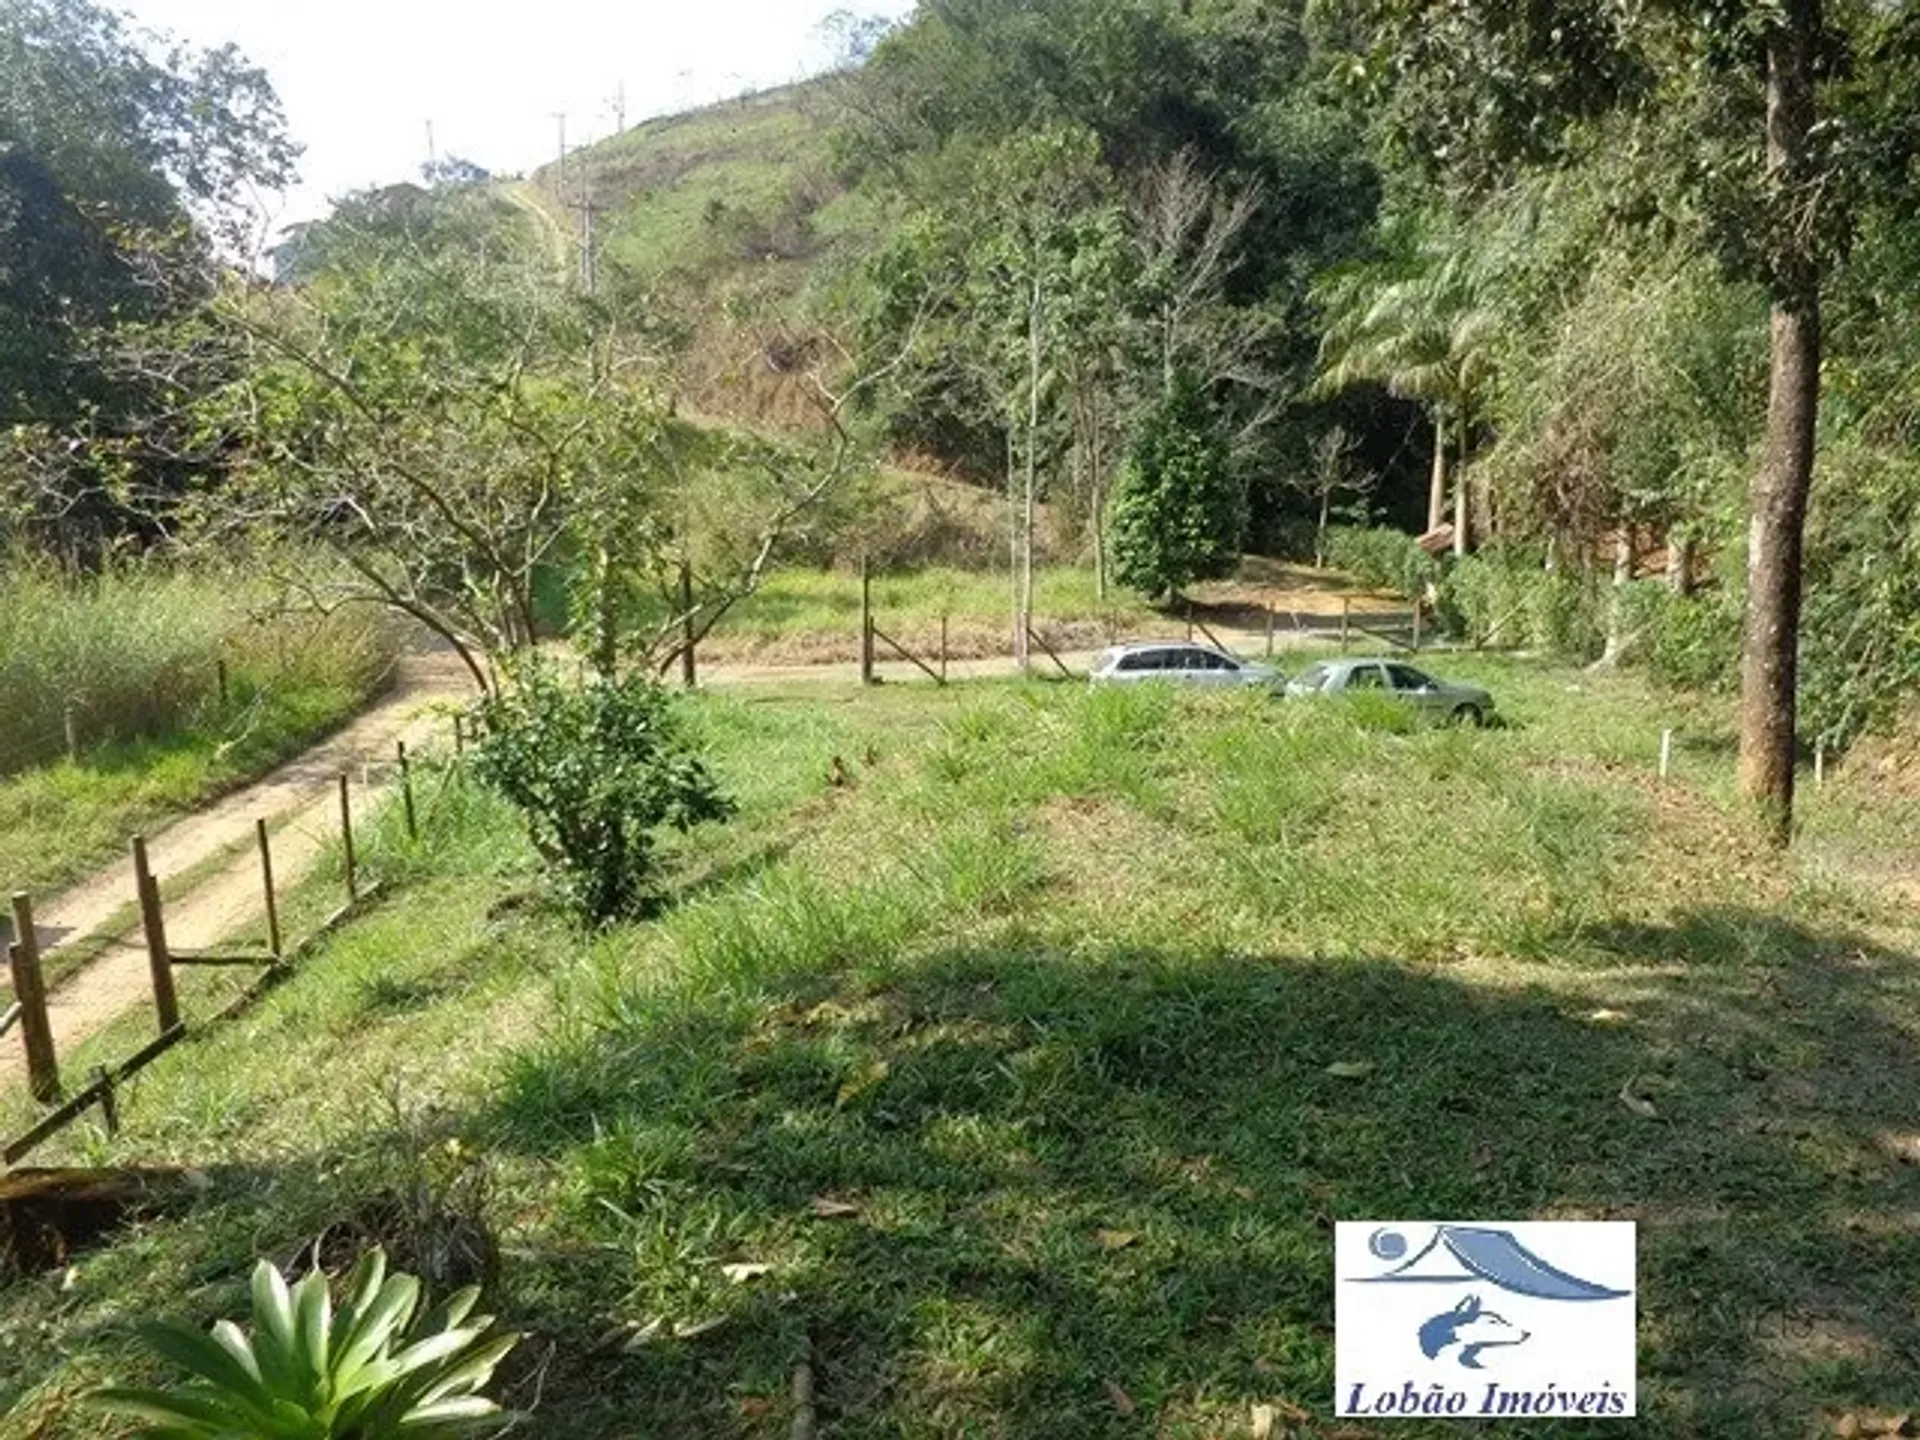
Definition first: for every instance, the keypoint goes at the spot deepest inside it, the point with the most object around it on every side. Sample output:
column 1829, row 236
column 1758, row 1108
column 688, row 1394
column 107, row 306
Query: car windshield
column 1313, row 677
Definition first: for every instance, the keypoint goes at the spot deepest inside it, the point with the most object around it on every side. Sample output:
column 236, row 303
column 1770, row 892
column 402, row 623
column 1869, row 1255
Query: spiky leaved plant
column 369, row 1372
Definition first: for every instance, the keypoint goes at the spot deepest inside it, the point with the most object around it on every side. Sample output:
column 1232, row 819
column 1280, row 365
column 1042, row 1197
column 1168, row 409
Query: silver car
column 1440, row 699
column 1181, row 663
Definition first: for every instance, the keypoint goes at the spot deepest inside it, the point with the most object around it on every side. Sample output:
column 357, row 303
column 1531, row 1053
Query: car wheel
column 1468, row 715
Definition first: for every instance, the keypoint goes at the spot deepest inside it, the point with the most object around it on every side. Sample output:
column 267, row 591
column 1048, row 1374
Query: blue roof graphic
column 1460, row 1254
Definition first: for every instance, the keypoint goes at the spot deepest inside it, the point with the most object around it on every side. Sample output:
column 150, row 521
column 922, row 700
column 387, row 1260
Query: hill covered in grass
column 732, row 218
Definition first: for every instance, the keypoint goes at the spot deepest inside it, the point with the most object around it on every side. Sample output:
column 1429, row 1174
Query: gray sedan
column 1458, row 704
column 1181, row 664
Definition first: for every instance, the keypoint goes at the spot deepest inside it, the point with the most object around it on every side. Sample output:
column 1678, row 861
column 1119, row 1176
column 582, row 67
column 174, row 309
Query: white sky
column 360, row 79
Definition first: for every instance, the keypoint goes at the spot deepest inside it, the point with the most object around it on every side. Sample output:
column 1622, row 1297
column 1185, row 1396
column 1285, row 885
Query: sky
column 362, row 79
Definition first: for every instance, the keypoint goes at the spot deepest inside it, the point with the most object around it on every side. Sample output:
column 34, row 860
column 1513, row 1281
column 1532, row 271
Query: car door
column 1137, row 666
column 1365, row 678
column 1209, row 669
column 1416, row 689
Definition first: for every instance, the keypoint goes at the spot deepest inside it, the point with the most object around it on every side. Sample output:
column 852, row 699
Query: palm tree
column 1417, row 324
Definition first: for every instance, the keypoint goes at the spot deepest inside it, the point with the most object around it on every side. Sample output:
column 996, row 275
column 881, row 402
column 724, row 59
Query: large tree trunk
column 1623, row 560
column 1437, row 491
column 1022, row 648
column 1778, row 497
column 1461, row 500
column 1680, row 561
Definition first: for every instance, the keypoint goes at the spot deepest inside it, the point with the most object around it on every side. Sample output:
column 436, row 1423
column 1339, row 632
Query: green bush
column 597, row 769
column 370, row 1372
column 1179, row 514
column 1383, row 559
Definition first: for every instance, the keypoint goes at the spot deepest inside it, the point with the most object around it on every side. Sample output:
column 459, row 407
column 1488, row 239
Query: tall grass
column 136, row 653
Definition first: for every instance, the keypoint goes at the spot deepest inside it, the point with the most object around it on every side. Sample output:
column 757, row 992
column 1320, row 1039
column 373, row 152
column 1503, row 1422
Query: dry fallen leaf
column 1639, row 1105
column 1122, row 1401
column 1608, row 1017
column 740, row 1274
column 1350, row 1069
column 1114, row 1239
column 828, row 1208
column 1263, row 1418
column 694, row 1328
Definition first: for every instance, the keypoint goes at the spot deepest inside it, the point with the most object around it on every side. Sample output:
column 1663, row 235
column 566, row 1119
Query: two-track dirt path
column 299, row 803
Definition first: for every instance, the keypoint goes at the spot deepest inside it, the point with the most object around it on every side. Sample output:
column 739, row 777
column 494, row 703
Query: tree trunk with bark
column 1437, row 490
column 1461, row 500
column 1778, row 495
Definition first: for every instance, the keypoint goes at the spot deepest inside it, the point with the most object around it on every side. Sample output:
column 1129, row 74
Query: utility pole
column 620, row 108
column 560, row 179
column 433, row 155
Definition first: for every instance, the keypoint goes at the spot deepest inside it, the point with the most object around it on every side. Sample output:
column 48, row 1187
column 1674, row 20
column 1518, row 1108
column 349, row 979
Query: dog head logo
column 1473, row 1328
column 1480, row 1257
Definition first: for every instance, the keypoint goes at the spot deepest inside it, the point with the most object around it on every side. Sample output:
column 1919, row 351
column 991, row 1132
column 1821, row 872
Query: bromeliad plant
column 369, row 1372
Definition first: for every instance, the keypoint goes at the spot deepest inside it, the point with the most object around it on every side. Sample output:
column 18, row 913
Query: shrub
column 1178, row 512
column 1383, row 559
column 597, row 769
column 367, row 1373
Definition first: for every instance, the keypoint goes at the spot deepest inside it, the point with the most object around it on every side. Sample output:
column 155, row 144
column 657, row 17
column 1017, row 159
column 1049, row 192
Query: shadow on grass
column 1093, row 1194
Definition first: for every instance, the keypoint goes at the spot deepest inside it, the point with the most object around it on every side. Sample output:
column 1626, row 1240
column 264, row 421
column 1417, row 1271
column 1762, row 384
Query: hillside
column 734, row 208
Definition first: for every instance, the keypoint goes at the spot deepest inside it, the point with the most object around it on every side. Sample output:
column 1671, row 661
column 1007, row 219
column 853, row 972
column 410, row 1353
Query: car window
column 1198, row 659
column 1405, row 677
column 1366, row 677
column 1142, row 660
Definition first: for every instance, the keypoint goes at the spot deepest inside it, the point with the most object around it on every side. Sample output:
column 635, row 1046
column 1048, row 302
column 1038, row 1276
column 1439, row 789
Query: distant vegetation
column 127, row 664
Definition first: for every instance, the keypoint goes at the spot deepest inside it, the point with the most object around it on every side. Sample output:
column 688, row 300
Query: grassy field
column 1033, row 1116
column 813, row 616
column 136, row 659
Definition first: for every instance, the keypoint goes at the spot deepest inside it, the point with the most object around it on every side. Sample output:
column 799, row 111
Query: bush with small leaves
column 368, row 1372
column 597, row 769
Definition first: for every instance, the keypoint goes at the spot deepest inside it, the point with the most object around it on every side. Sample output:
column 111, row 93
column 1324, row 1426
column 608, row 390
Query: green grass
column 801, row 615
column 170, row 743
column 1048, row 995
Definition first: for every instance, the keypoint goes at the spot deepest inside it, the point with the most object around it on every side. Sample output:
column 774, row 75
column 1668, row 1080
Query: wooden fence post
column 406, row 791
column 1269, row 632
column 346, row 836
column 71, row 730
column 1819, row 764
column 866, row 623
column 943, row 647
column 220, row 674
column 1346, row 620
column 459, row 734
column 1666, row 752
column 689, row 674
column 23, row 959
column 1416, row 627
column 159, row 961
column 266, row 880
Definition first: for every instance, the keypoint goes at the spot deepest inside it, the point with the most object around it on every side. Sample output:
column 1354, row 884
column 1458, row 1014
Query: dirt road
column 298, row 802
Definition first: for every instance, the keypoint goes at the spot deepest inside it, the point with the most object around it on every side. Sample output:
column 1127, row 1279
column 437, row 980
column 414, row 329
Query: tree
column 1416, row 323
column 597, row 769
column 1178, row 515
column 451, row 431
column 1757, row 124
column 116, row 147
